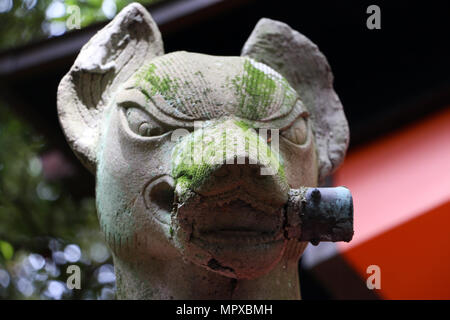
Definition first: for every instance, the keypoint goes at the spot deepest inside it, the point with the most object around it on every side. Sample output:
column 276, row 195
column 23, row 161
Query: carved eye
column 142, row 124
column 297, row 132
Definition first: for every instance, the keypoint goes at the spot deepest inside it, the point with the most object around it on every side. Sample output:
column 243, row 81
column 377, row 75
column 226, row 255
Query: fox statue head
column 194, row 155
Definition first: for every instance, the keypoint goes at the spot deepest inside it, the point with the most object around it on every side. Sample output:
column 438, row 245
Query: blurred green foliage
column 42, row 229
column 23, row 21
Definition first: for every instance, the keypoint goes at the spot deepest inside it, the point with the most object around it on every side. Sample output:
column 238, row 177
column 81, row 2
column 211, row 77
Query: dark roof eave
column 169, row 16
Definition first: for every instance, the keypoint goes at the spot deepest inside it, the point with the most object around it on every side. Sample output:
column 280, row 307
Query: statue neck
column 176, row 279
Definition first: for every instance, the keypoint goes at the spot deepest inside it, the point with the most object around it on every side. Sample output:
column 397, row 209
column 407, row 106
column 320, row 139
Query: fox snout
column 224, row 156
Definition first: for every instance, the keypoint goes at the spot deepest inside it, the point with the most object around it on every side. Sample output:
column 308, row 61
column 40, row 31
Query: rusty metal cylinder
column 320, row 214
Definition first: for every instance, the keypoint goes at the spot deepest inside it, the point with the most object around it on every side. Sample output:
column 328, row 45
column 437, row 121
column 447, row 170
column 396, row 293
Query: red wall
column 401, row 191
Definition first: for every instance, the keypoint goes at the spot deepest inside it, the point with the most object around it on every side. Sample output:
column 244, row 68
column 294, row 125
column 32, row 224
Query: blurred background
column 393, row 82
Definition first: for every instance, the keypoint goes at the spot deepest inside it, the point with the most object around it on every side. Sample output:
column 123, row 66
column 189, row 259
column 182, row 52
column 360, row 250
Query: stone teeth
column 236, row 238
column 237, row 194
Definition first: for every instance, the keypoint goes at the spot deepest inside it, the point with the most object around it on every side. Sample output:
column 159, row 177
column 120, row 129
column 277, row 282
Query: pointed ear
column 306, row 69
column 105, row 62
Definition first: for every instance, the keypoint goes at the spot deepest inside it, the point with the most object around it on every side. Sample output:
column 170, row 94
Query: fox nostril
column 221, row 172
column 255, row 172
column 162, row 195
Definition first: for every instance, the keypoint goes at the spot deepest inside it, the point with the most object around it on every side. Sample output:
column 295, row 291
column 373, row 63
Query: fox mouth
column 238, row 236
column 231, row 218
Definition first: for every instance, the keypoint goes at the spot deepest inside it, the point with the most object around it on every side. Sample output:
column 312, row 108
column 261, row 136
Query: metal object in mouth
column 320, row 214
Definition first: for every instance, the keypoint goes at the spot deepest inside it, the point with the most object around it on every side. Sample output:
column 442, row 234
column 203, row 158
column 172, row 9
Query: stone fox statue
column 191, row 196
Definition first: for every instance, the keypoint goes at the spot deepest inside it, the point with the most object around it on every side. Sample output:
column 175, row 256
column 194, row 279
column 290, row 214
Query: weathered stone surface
column 190, row 190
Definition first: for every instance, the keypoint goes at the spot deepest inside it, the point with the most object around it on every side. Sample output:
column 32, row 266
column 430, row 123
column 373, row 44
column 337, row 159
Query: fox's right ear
column 106, row 61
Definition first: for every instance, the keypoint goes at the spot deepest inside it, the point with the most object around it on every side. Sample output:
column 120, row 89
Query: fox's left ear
column 306, row 69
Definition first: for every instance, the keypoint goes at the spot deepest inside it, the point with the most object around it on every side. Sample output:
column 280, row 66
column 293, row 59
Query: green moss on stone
column 255, row 90
column 150, row 84
column 243, row 124
column 196, row 156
